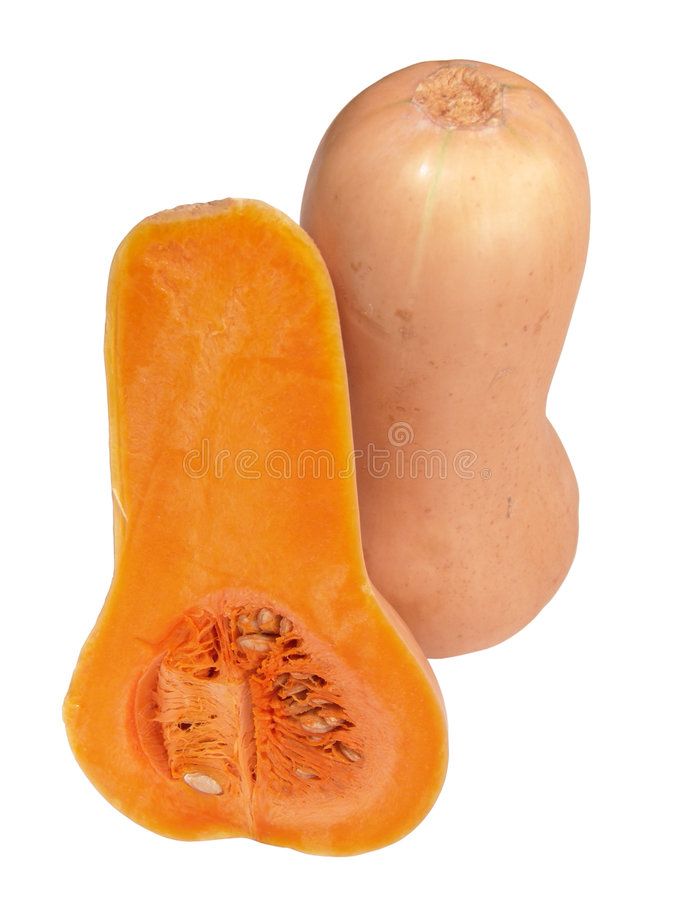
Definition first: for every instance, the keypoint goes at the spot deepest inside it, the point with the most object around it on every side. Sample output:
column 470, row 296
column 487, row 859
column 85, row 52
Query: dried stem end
column 459, row 97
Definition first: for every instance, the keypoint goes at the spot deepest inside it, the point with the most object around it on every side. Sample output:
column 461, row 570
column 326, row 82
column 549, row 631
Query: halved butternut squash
column 244, row 678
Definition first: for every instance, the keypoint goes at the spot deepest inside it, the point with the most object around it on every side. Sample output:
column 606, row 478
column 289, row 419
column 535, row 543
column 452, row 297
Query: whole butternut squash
column 450, row 202
column 243, row 678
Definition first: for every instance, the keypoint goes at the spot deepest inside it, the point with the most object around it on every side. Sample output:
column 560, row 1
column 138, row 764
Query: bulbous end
column 459, row 96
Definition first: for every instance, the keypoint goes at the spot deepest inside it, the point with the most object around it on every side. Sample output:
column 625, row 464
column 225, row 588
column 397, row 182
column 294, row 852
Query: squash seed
column 247, row 624
column 309, row 721
column 268, row 622
column 258, row 643
column 348, row 752
column 296, row 708
column 202, row 783
column 288, row 690
column 333, row 721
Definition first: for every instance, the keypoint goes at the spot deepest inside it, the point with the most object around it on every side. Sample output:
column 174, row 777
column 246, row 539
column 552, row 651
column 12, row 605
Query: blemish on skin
column 364, row 318
column 405, row 314
column 355, row 266
column 525, row 328
column 500, row 373
column 541, row 320
column 530, row 274
column 473, row 178
column 509, row 506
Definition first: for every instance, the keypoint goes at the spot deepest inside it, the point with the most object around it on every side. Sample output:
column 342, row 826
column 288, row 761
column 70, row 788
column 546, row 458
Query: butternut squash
column 450, row 202
column 243, row 678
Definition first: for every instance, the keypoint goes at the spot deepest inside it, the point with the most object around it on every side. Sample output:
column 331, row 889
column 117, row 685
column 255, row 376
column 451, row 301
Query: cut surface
column 244, row 678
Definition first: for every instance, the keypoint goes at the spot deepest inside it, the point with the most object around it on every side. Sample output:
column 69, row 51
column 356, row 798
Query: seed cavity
column 242, row 701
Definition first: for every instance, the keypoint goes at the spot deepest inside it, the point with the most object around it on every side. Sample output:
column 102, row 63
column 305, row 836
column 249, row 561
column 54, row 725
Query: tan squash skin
column 454, row 222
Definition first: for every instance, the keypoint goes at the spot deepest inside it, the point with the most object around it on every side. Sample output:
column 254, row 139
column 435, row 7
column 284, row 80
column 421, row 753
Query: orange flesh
column 239, row 575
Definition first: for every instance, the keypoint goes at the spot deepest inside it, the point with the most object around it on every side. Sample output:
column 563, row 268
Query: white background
column 561, row 778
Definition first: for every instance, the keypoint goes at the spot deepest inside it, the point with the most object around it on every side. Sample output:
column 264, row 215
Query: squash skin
column 456, row 255
column 178, row 334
